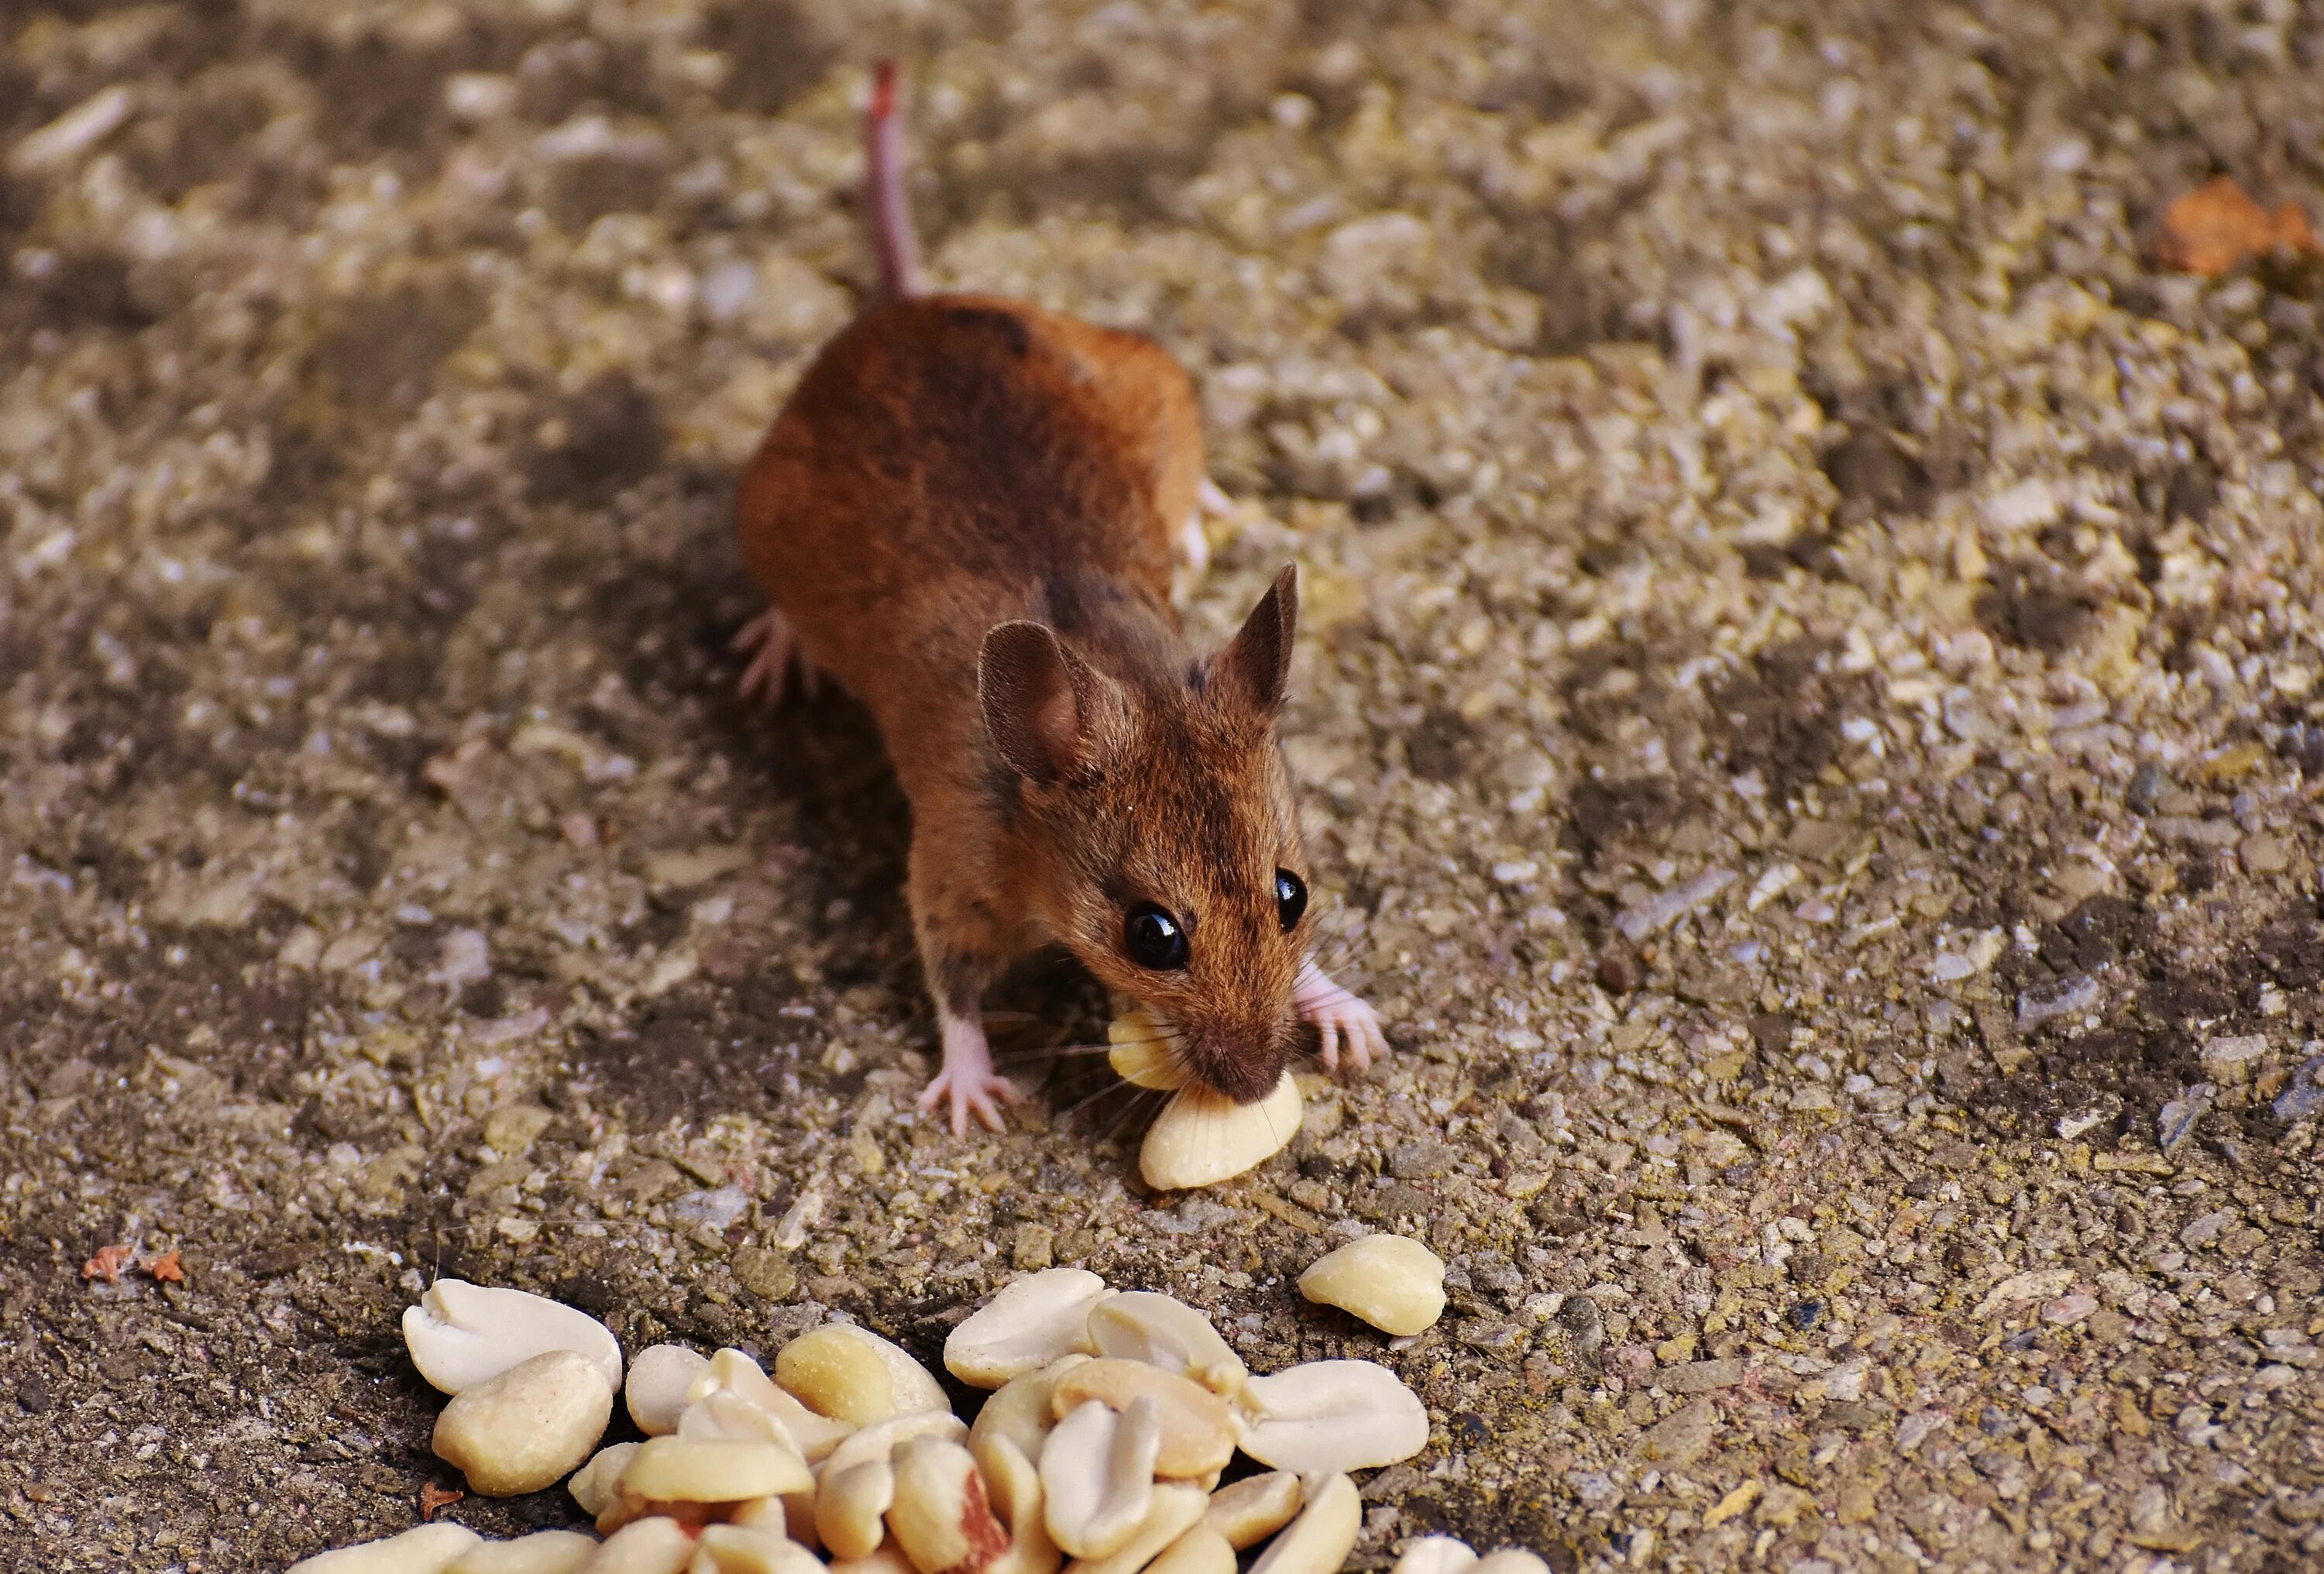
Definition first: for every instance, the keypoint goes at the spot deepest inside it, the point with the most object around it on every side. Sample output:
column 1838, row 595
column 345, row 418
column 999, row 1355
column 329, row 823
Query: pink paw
column 774, row 648
column 968, row 1079
column 1339, row 1015
column 971, row 1091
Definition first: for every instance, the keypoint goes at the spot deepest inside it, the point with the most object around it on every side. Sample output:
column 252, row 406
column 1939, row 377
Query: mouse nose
column 1242, row 1065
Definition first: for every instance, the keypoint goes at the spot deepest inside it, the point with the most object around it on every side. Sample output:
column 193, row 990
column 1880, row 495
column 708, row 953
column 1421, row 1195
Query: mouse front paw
column 1340, row 1019
column 980, row 1093
column 775, row 651
column 968, row 1081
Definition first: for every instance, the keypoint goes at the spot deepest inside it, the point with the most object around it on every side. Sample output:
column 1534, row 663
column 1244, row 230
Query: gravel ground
column 1809, row 706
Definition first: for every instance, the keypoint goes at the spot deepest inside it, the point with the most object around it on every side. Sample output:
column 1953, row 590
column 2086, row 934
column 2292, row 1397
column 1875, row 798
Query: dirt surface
column 1808, row 700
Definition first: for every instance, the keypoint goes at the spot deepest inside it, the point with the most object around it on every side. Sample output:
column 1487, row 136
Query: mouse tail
column 891, row 217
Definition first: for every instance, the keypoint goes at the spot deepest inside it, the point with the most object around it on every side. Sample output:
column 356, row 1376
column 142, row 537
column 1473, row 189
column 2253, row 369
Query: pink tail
column 891, row 219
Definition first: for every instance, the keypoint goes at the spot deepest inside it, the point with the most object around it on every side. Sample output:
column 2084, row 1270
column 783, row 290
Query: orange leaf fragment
column 2209, row 230
column 107, row 1263
column 433, row 1497
column 167, row 1268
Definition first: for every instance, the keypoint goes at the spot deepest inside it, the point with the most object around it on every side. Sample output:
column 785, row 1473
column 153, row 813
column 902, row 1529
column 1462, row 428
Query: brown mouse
column 964, row 515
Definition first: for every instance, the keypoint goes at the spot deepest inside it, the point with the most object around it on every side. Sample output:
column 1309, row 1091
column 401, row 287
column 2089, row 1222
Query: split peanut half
column 1028, row 1324
column 1320, row 1540
column 1254, row 1508
column 1164, row 1331
column 541, row 1553
column 1021, row 1409
column 1392, row 1281
column 462, row 1334
column 1202, row 1137
column 889, row 1560
column 656, row 1544
column 1436, row 1555
column 1198, row 1429
column 878, row 1442
column 425, row 1549
column 1013, row 1485
column 851, row 1508
column 851, row 1374
column 1508, row 1561
column 941, row 1516
column 528, row 1427
column 791, row 1514
column 659, row 1386
column 731, row 1372
column 1173, row 1510
column 1097, row 1476
column 1139, row 1051
column 598, row 1485
column 734, row 1548
column 1201, row 1550
column 674, row 1469
column 1326, row 1416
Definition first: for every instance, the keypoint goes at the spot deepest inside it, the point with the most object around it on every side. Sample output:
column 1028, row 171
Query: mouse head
column 1156, row 822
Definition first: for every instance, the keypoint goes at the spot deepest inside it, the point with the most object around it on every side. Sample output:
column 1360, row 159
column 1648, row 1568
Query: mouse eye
column 1290, row 898
column 1154, row 939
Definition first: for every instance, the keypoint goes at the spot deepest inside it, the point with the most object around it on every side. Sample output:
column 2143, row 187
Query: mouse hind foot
column 774, row 650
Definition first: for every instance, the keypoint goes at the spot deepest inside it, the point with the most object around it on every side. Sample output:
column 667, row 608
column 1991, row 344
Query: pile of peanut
column 1111, row 1418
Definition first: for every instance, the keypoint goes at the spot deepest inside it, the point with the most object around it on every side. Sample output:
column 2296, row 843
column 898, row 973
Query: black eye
column 1153, row 938
column 1290, row 898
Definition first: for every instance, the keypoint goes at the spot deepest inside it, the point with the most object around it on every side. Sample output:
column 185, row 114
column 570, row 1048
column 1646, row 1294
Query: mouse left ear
column 1254, row 671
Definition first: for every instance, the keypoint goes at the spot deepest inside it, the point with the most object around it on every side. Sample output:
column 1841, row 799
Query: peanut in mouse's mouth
column 1145, row 1048
column 1202, row 1137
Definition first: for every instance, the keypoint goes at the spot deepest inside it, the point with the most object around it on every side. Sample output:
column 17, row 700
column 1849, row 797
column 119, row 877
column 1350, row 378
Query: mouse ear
column 1046, row 709
column 1255, row 668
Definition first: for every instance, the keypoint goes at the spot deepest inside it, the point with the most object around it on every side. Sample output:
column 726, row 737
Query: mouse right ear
column 1046, row 709
column 1255, row 668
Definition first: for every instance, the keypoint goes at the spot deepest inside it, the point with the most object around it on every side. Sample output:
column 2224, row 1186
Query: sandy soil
column 1809, row 708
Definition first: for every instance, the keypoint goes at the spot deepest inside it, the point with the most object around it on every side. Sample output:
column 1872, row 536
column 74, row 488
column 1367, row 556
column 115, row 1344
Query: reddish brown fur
column 954, row 463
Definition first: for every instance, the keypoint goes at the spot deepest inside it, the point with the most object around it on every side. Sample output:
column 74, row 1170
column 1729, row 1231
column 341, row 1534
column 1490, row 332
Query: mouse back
column 950, row 462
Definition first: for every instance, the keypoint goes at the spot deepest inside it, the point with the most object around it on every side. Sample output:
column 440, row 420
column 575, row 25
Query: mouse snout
column 1242, row 1062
